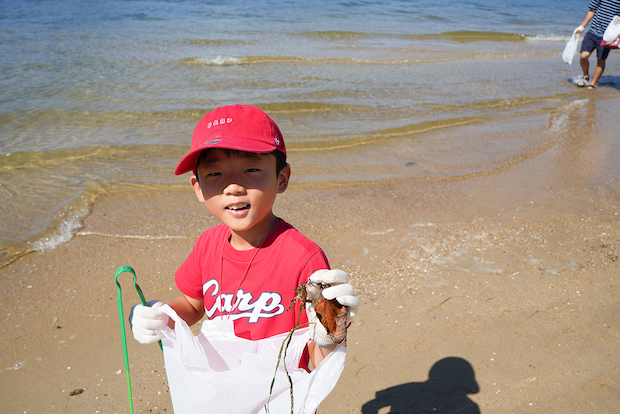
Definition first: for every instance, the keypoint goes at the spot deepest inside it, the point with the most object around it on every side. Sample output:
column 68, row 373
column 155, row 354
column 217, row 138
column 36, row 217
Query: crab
column 331, row 313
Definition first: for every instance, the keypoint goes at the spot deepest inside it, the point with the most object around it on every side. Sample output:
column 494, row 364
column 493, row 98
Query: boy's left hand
column 329, row 284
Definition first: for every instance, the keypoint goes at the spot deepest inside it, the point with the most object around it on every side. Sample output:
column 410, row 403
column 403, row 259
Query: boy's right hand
column 578, row 30
column 147, row 321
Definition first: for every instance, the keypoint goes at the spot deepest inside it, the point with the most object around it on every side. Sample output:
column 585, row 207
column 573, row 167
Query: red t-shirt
column 285, row 261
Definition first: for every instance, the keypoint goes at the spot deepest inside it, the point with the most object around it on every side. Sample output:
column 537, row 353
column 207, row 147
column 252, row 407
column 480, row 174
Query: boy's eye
column 213, row 174
column 252, row 170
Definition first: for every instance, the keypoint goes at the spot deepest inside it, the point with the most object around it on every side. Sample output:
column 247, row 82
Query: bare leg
column 598, row 72
column 585, row 64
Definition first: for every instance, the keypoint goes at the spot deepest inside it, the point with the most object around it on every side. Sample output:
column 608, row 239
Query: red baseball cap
column 236, row 127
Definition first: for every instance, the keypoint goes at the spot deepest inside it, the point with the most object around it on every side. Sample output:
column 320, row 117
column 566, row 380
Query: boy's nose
column 234, row 189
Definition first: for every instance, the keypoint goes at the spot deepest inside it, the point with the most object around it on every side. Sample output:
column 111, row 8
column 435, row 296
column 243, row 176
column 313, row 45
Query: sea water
column 96, row 95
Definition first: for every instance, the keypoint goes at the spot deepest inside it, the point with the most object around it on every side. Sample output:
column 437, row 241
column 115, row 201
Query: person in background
column 600, row 14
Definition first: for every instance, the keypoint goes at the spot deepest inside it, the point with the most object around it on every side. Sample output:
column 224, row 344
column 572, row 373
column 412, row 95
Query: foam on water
column 70, row 221
column 547, row 38
column 559, row 121
column 220, row 60
column 130, row 236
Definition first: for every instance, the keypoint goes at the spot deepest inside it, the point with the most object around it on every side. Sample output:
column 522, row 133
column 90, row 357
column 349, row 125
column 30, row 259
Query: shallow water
column 95, row 95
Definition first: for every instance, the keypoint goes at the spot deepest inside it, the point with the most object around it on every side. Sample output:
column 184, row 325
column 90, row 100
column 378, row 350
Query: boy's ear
column 197, row 189
column 283, row 178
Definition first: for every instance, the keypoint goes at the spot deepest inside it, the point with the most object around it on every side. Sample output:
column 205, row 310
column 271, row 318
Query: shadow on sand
column 449, row 382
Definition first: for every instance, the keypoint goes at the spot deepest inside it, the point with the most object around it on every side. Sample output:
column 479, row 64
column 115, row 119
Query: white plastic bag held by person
column 612, row 33
column 218, row 372
column 571, row 49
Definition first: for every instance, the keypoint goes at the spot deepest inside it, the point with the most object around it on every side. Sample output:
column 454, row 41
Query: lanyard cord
column 233, row 305
column 119, row 299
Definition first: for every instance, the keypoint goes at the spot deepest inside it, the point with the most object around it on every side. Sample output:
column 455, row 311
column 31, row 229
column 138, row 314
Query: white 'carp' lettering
column 268, row 304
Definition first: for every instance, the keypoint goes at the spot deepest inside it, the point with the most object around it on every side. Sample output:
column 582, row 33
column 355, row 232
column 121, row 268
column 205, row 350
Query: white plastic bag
column 612, row 33
column 571, row 49
column 218, row 372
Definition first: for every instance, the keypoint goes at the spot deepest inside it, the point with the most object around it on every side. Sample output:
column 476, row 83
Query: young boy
column 247, row 268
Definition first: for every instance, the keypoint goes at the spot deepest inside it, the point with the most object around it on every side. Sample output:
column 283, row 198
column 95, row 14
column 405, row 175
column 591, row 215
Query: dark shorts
column 591, row 42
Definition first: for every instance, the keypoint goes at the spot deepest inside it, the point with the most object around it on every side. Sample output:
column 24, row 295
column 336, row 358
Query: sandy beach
column 441, row 154
column 497, row 293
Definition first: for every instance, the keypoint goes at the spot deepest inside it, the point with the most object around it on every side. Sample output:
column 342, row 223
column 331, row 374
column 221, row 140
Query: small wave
column 82, row 157
column 255, row 60
column 248, row 60
column 47, row 129
column 217, row 61
column 433, row 18
column 559, row 121
column 333, row 142
column 304, row 107
column 546, row 38
column 495, row 103
column 67, row 226
column 460, row 36
column 466, row 36
column 145, row 17
column 334, row 34
column 131, row 236
column 576, row 103
column 509, row 55
column 216, row 42
column 471, row 36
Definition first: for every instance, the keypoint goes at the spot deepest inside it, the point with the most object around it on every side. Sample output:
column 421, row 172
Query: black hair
column 280, row 158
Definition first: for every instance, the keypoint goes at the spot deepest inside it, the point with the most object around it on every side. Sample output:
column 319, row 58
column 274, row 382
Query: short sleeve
column 188, row 277
column 316, row 262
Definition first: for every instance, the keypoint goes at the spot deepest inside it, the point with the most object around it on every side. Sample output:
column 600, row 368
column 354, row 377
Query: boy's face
column 240, row 191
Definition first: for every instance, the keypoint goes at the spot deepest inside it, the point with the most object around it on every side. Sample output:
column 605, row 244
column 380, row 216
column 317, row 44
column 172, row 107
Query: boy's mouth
column 238, row 207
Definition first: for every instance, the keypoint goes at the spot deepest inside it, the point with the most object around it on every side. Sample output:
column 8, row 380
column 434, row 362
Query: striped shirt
column 604, row 10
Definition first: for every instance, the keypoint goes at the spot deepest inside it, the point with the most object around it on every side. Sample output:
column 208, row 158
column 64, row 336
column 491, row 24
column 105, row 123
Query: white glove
column 328, row 284
column 578, row 30
column 146, row 321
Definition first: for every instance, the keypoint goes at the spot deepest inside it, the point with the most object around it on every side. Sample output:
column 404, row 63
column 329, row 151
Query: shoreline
column 509, row 281
column 482, row 143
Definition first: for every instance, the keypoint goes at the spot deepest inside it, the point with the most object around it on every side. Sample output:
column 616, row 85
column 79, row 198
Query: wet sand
column 497, row 293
